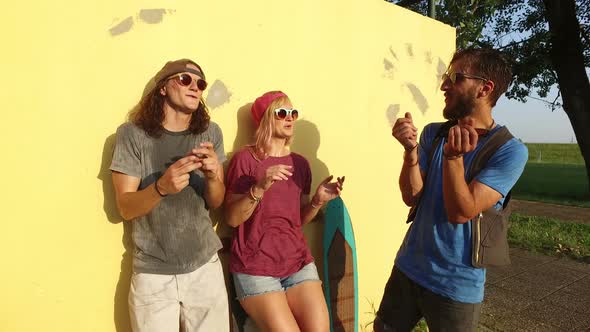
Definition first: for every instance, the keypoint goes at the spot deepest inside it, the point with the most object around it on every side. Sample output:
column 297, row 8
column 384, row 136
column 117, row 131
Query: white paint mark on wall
column 218, row 94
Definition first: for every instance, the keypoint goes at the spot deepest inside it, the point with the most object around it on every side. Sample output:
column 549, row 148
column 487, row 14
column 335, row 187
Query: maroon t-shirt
column 271, row 241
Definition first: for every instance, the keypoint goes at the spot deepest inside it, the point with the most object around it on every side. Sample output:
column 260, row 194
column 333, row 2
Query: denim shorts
column 250, row 285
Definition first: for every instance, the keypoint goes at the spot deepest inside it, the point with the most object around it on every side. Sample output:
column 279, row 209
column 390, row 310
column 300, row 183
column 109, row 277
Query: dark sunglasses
column 282, row 113
column 186, row 80
column 454, row 76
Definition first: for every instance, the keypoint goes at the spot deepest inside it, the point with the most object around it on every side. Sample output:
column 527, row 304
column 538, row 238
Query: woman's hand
column 274, row 173
column 327, row 190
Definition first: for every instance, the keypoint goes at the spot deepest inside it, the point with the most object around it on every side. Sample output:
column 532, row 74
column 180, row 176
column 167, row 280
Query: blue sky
column 533, row 121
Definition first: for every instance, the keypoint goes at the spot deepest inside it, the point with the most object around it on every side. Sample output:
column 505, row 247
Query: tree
column 548, row 41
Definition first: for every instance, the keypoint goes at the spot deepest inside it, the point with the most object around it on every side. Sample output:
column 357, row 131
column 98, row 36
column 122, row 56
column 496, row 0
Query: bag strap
column 498, row 138
column 441, row 133
column 481, row 158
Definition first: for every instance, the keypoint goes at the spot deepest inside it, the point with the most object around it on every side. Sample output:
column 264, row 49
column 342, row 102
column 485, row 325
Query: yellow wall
column 73, row 69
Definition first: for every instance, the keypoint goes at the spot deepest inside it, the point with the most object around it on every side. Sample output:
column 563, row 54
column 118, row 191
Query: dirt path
column 561, row 212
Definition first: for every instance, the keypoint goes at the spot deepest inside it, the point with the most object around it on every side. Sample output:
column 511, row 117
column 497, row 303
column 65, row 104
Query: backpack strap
column 441, row 133
column 498, row 138
column 481, row 158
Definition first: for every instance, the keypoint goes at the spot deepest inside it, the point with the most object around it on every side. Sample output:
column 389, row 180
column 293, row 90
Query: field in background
column 555, row 154
column 555, row 173
column 550, row 237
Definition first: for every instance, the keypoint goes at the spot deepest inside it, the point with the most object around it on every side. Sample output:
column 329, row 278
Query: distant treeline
column 549, row 153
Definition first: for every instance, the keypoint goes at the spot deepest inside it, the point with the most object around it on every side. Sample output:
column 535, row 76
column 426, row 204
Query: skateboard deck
column 340, row 268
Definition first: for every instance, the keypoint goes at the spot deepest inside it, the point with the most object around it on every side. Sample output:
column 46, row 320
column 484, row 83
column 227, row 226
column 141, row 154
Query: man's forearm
column 410, row 178
column 458, row 199
column 137, row 204
column 214, row 192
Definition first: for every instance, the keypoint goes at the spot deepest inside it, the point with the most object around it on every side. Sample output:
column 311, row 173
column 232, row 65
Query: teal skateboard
column 340, row 268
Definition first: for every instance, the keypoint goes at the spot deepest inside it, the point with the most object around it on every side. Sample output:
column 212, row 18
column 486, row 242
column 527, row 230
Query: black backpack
column 489, row 229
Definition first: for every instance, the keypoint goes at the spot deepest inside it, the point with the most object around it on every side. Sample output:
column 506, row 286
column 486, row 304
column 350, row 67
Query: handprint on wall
column 149, row 16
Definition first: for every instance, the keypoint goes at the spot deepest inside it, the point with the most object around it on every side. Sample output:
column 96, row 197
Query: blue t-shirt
column 435, row 253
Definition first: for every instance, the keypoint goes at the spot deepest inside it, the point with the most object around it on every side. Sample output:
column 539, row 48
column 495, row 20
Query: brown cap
column 178, row 66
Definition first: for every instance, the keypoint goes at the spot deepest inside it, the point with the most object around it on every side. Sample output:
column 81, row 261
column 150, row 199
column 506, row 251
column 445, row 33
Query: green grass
column 555, row 173
column 554, row 183
column 555, row 153
column 421, row 326
column 550, row 236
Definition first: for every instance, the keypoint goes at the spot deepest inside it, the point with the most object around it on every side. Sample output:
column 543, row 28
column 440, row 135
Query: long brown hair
column 150, row 113
column 266, row 129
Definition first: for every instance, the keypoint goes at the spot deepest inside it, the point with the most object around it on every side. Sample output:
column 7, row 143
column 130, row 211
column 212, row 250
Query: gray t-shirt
column 177, row 235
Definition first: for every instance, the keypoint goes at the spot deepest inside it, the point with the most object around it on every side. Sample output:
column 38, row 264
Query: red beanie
column 261, row 104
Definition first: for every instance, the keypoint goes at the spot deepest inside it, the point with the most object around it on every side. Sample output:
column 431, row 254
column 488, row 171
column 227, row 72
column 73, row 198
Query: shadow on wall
column 121, row 308
column 307, row 143
column 244, row 136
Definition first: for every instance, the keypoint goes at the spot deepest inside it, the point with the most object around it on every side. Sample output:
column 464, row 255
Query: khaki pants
column 195, row 301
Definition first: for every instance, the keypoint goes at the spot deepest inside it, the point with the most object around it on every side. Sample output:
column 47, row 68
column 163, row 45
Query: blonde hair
column 265, row 130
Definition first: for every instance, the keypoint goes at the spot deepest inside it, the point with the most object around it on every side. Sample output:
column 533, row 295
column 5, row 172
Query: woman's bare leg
column 271, row 312
column 308, row 306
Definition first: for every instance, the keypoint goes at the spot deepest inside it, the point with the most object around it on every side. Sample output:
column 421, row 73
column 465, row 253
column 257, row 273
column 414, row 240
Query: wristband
column 453, row 157
column 412, row 148
column 314, row 205
column 253, row 197
column 410, row 165
column 158, row 190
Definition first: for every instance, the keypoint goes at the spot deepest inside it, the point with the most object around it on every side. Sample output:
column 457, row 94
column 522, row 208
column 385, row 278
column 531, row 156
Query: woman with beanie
column 267, row 199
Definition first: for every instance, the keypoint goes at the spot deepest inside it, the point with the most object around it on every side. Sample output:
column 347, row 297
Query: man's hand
column 208, row 158
column 405, row 131
column 177, row 175
column 461, row 140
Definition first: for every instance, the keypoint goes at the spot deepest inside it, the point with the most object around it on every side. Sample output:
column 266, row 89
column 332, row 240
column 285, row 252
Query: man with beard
column 167, row 174
column 433, row 276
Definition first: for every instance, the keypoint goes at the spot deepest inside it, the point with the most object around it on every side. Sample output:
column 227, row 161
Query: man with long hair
column 434, row 275
column 167, row 174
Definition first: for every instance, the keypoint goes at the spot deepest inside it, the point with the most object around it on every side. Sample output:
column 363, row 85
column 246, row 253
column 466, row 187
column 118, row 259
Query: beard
column 464, row 105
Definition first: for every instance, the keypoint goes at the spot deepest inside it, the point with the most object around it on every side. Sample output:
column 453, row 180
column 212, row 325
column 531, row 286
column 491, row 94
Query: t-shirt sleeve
column 306, row 178
column 239, row 173
column 127, row 153
column 505, row 167
column 217, row 140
